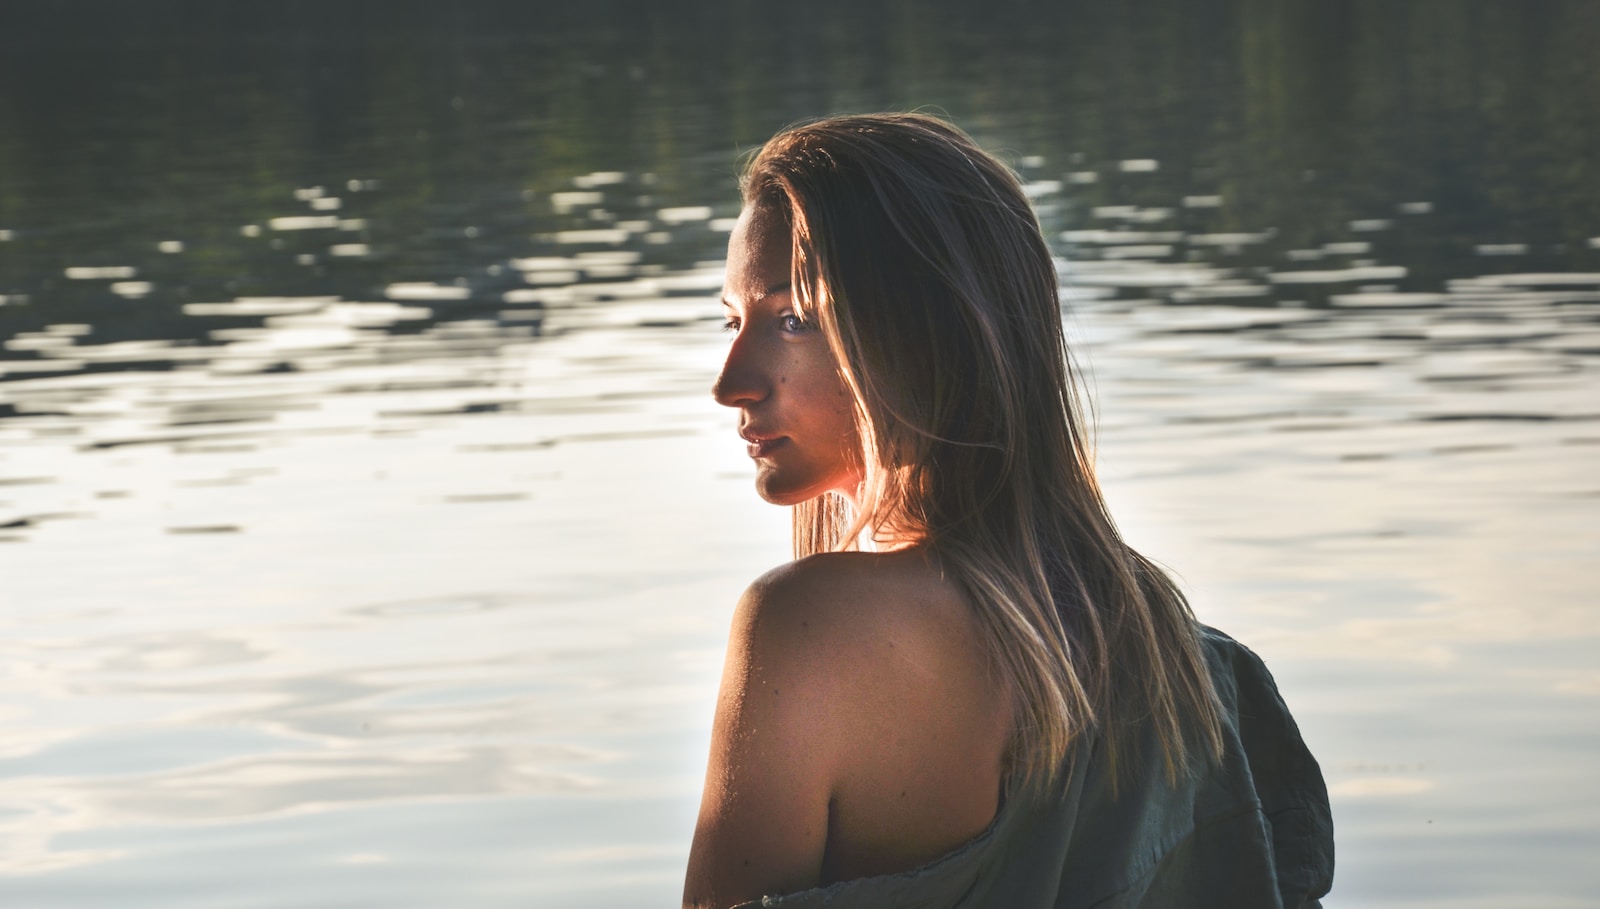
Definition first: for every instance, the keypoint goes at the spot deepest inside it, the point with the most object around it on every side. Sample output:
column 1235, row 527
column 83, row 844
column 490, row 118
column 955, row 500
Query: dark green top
column 1253, row 830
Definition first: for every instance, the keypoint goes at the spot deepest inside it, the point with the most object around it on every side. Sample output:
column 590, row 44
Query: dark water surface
column 368, row 536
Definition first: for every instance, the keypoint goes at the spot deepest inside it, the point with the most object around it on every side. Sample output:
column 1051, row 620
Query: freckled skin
column 781, row 375
column 885, row 749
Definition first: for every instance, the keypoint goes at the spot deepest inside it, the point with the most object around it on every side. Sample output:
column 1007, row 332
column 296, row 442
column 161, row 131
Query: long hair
column 919, row 257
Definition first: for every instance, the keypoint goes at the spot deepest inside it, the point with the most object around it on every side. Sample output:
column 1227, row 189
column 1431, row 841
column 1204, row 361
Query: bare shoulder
column 869, row 637
column 856, row 599
column 886, row 671
column 859, row 729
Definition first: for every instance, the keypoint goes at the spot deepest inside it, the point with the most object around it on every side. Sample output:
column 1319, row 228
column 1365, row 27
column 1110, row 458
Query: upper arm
column 763, row 821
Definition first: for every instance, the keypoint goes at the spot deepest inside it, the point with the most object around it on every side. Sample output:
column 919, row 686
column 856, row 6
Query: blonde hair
column 919, row 257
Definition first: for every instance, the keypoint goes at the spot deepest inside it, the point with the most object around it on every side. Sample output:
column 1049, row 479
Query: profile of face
column 795, row 410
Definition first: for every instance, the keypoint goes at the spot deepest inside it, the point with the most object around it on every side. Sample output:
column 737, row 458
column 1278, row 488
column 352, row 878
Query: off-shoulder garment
column 1252, row 832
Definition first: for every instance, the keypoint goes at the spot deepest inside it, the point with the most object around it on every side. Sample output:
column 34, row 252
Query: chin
column 772, row 486
column 781, row 496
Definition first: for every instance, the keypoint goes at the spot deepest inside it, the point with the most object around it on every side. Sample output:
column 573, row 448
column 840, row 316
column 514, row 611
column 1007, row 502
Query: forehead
column 758, row 253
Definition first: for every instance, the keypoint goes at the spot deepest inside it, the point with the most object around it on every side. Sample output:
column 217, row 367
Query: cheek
column 843, row 408
column 814, row 382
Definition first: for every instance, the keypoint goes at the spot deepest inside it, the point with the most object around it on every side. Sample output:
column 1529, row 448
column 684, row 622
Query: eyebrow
column 774, row 289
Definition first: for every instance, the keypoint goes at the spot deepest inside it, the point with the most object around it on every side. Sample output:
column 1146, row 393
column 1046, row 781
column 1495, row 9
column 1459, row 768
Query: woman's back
column 860, row 697
column 1251, row 830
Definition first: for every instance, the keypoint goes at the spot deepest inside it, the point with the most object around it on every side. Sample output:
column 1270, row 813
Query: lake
column 369, row 536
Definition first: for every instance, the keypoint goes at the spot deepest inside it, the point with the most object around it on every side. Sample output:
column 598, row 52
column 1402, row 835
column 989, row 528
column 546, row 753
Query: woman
column 966, row 690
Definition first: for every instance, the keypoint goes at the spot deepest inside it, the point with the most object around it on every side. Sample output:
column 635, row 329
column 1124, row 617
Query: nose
column 742, row 381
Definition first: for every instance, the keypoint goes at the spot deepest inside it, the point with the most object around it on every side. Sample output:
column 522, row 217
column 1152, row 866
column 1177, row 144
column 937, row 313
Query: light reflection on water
column 430, row 608
column 475, row 573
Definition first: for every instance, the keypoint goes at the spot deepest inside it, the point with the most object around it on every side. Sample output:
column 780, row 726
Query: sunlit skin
column 858, row 730
column 795, row 411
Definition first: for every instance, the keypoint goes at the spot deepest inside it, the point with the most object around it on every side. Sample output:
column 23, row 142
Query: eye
column 793, row 323
column 730, row 325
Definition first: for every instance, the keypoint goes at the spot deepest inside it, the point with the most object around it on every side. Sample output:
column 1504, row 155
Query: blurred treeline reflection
column 125, row 124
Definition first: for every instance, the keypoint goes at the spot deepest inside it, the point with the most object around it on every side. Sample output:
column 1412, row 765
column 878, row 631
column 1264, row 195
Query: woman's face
column 795, row 411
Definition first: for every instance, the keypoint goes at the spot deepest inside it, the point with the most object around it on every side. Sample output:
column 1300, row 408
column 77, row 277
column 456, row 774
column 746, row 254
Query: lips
column 760, row 445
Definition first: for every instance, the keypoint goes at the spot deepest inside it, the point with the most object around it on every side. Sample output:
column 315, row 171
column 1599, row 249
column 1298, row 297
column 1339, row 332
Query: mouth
column 760, row 446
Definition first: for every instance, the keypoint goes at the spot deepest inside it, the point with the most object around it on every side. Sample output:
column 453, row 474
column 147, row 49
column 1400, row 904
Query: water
column 369, row 536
